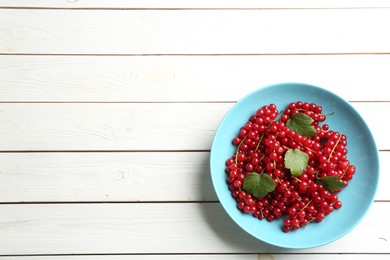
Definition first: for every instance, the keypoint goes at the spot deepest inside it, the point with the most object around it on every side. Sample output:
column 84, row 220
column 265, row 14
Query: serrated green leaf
column 331, row 183
column 301, row 124
column 296, row 161
column 259, row 185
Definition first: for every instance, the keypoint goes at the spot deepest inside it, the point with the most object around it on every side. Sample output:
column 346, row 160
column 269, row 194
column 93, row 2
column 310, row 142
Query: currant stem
column 238, row 148
column 331, row 114
column 303, row 208
column 258, row 144
column 297, row 179
column 309, row 149
column 345, row 170
column 277, row 118
column 334, row 148
column 261, row 159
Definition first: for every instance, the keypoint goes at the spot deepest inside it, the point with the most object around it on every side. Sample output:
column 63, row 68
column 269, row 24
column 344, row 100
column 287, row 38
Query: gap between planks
column 128, row 202
column 186, row 254
column 155, row 102
column 184, row 8
column 193, row 54
column 103, row 151
column 114, row 202
column 117, row 151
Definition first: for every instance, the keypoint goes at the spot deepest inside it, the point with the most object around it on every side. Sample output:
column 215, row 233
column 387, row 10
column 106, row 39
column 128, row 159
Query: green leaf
column 331, row 183
column 296, row 161
column 258, row 184
column 301, row 124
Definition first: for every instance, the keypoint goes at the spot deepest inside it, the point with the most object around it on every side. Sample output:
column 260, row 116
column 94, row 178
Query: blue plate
column 362, row 153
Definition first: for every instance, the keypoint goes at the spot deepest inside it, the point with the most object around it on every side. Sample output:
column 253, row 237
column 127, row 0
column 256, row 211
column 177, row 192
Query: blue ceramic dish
column 362, row 152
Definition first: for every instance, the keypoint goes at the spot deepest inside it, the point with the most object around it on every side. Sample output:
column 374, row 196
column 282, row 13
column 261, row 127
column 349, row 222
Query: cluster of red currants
column 262, row 144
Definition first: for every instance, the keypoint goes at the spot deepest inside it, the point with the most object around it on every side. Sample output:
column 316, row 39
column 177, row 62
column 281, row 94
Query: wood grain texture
column 194, row 4
column 133, row 177
column 127, row 177
column 109, row 126
column 133, row 126
column 185, row 78
column 262, row 256
column 178, row 228
column 194, row 32
column 131, row 180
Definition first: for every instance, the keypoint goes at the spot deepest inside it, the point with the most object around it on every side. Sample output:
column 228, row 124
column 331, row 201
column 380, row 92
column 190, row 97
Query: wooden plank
column 176, row 228
column 213, row 256
column 152, row 176
column 194, row 32
column 169, row 176
column 185, row 78
column 194, row 4
column 109, row 126
column 181, row 126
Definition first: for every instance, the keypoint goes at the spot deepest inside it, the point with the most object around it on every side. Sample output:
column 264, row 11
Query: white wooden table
column 108, row 110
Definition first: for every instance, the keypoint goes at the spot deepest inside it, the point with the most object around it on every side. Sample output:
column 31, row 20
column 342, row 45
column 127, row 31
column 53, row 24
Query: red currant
column 261, row 145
